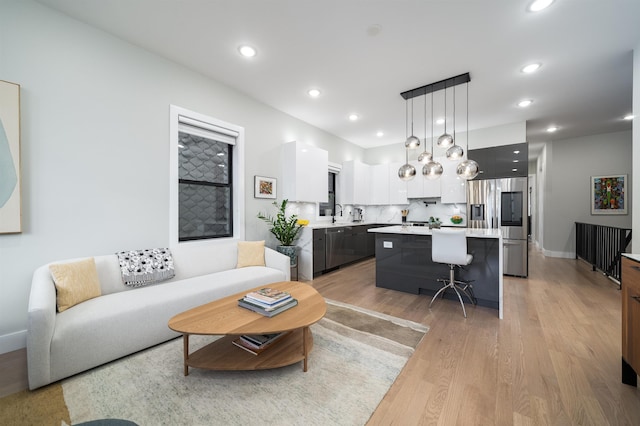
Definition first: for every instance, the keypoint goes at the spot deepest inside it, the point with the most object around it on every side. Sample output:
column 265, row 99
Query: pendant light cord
column 467, row 150
column 431, row 123
column 445, row 108
column 454, row 115
column 411, row 116
column 425, row 123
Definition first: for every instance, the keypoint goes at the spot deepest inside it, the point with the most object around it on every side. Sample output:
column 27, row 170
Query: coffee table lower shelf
column 224, row 355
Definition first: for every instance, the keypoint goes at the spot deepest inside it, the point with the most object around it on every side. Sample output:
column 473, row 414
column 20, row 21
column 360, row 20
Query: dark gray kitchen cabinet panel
column 319, row 260
column 501, row 161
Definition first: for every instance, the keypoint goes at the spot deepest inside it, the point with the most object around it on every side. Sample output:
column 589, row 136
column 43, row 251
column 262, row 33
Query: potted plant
column 284, row 228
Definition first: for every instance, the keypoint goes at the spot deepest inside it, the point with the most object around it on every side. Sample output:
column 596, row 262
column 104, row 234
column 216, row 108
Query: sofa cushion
column 75, row 282
column 250, row 253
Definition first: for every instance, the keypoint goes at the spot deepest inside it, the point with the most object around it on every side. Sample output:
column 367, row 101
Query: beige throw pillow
column 250, row 253
column 75, row 282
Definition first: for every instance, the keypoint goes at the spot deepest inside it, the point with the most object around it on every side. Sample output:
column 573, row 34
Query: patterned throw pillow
column 75, row 282
column 142, row 267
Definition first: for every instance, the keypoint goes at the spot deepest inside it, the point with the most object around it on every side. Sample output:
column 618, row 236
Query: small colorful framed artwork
column 265, row 187
column 608, row 194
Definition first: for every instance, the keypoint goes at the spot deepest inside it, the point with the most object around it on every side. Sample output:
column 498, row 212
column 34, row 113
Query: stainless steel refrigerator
column 502, row 204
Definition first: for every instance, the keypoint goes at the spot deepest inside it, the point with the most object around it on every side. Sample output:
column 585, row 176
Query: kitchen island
column 403, row 263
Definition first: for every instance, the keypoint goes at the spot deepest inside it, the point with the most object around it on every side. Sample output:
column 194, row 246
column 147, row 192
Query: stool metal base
column 457, row 286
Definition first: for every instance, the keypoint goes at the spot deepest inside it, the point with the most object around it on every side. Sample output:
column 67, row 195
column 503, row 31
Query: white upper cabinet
column 305, row 171
column 397, row 187
column 379, row 184
column 454, row 188
column 421, row 187
column 355, row 185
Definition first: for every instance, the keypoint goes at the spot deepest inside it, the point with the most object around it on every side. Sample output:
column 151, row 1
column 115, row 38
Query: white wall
column 570, row 164
column 542, row 189
column 636, row 145
column 95, row 145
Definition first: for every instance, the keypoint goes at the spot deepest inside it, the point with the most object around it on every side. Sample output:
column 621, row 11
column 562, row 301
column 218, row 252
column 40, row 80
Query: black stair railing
column 602, row 246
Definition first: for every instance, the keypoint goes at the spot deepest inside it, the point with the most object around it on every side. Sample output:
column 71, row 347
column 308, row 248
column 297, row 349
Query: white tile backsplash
column 418, row 212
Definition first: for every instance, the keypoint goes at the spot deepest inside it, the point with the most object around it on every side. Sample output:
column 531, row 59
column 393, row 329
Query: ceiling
column 363, row 54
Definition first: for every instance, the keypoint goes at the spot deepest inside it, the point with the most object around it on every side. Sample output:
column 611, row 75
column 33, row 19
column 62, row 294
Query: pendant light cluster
column 467, row 168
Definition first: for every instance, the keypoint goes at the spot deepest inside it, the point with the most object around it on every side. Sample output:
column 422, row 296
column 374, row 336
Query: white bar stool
column 450, row 246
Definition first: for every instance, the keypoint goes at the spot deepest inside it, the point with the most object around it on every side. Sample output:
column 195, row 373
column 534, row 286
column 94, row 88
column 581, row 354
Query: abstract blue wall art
column 8, row 175
column 10, row 187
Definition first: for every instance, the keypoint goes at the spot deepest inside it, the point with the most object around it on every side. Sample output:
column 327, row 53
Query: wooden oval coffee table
column 225, row 317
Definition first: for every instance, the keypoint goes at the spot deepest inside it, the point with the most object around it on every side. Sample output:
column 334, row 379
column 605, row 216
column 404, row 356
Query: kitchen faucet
column 333, row 218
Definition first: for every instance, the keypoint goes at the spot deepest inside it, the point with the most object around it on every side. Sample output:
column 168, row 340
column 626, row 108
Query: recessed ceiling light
column 514, row 170
column 380, row 134
column 374, row 30
column 353, row 117
column 516, row 161
column 247, row 51
column 538, row 5
column 552, row 129
column 516, row 152
column 314, row 93
column 440, row 121
column 528, row 69
column 628, row 117
column 525, row 103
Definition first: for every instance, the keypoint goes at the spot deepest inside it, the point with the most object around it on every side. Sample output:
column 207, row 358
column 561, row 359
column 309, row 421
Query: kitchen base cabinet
column 338, row 246
column 319, row 261
column 630, row 283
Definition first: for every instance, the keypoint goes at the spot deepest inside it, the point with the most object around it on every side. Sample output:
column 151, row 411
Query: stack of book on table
column 268, row 301
column 256, row 343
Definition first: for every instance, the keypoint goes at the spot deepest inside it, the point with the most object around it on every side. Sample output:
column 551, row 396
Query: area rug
column 356, row 357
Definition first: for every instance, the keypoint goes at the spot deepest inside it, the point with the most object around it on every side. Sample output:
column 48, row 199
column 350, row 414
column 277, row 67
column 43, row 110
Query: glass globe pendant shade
column 455, row 152
column 445, row 140
column 412, row 142
column 468, row 169
column 425, row 157
column 432, row 170
column 406, row 172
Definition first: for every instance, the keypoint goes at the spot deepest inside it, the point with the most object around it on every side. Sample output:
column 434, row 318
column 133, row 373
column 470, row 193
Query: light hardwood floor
column 553, row 360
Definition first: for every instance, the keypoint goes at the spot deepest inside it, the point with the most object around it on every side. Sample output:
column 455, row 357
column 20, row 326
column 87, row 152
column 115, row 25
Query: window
column 329, row 208
column 206, row 185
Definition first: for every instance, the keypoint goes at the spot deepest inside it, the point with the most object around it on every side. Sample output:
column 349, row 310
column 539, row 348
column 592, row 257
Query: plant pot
column 288, row 251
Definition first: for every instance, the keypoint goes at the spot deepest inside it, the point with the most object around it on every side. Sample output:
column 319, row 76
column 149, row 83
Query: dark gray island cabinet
column 403, row 263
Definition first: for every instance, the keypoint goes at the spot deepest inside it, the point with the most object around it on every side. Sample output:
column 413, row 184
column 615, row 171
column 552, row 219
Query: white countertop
column 321, row 225
column 424, row 230
column 632, row 256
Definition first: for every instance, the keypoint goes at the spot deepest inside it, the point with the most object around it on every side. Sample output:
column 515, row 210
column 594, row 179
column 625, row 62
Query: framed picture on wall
column 265, row 187
column 10, row 202
column 609, row 194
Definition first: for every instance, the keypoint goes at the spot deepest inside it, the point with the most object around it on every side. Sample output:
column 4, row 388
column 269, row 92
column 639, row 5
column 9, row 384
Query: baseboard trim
column 561, row 254
column 13, row 341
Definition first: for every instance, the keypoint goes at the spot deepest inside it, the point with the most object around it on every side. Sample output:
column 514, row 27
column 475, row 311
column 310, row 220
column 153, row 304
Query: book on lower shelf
column 257, row 343
column 267, row 311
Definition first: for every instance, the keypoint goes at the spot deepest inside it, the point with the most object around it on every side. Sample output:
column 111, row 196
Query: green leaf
column 284, row 228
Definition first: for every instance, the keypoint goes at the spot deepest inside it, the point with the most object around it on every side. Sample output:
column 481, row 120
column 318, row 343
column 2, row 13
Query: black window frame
column 228, row 185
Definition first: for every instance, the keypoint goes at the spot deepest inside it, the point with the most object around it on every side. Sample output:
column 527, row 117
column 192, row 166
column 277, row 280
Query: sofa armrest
column 279, row 261
column 41, row 323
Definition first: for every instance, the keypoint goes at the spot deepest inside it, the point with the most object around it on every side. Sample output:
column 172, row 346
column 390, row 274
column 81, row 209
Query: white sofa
column 124, row 320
